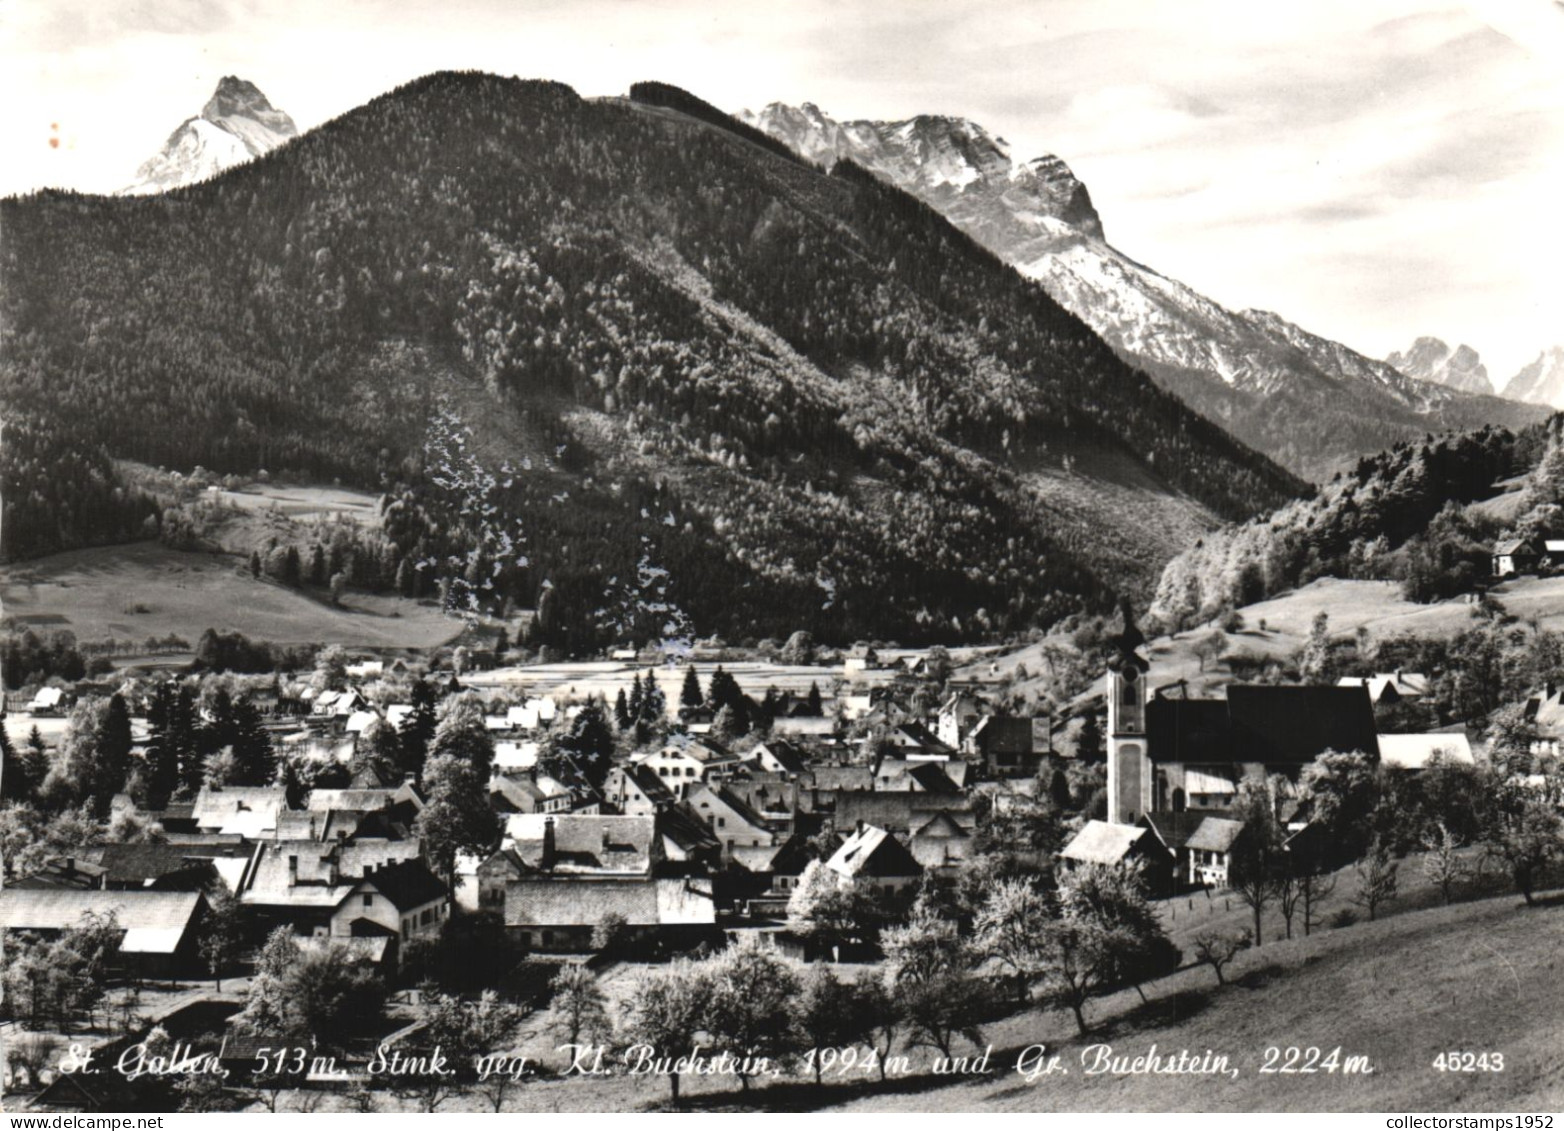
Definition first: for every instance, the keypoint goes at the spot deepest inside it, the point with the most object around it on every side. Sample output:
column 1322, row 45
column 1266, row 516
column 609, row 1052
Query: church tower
column 1129, row 759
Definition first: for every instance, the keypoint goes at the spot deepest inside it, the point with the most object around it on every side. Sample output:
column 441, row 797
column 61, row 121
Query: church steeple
column 1129, row 765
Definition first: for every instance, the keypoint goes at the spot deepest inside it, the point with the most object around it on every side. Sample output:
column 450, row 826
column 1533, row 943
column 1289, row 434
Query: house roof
column 585, row 842
column 844, row 778
column 1413, row 751
column 63, row 872
column 408, row 884
column 1511, row 546
column 537, row 902
column 871, row 851
column 942, row 825
column 1261, row 723
column 789, row 756
column 273, row 881
column 516, row 755
column 1175, row 829
column 1099, row 842
column 217, row 807
column 687, row 831
column 154, row 922
column 1003, row 734
column 900, row 811
column 1215, row 834
column 144, row 863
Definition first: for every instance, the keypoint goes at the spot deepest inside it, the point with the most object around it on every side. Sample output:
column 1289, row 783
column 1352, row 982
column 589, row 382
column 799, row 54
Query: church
column 1168, row 753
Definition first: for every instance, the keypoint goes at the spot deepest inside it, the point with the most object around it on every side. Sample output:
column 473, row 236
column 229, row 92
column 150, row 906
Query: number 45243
column 1469, row 1062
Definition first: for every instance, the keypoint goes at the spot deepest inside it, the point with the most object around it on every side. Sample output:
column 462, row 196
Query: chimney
column 547, row 860
column 859, row 830
column 293, row 870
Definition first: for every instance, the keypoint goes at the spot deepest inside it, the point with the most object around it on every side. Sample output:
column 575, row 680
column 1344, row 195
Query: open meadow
column 141, row 590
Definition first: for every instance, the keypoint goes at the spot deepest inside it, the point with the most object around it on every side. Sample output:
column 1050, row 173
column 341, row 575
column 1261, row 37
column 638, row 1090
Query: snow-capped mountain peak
column 1429, row 359
column 1308, row 402
column 1541, row 381
column 236, row 124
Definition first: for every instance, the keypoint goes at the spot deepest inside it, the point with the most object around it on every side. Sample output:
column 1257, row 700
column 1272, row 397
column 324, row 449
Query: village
column 393, row 853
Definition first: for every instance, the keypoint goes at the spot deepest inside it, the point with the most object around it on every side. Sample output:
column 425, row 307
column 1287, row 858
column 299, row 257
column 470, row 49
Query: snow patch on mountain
column 1540, row 381
column 237, row 124
column 1429, row 359
column 1228, row 364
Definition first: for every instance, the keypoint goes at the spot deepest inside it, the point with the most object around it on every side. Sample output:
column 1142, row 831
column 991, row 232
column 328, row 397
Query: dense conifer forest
column 806, row 397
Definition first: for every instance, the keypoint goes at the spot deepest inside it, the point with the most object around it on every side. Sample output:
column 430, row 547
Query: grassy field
column 140, row 590
column 1376, row 606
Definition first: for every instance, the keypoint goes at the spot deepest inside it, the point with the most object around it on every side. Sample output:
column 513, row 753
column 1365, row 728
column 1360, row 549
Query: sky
column 1373, row 170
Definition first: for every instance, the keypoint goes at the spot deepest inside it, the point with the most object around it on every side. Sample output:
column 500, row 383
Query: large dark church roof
column 1262, row 723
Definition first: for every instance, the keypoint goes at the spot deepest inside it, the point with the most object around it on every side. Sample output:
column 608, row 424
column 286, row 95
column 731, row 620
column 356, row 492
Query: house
column 685, row 761
column 1389, row 687
column 402, row 900
column 898, row 774
column 859, row 659
column 685, row 843
column 1415, row 751
column 780, row 756
column 1009, row 746
column 302, row 883
column 572, row 843
column 636, row 791
column 731, row 819
column 63, row 872
column 560, row 913
column 1173, row 831
column 160, row 927
column 872, row 860
column 1116, row 846
column 516, row 757
column 942, row 844
column 1553, row 551
column 900, row 812
column 957, row 715
column 540, row 794
column 1513, row 556
column 1210, row 849
column 173, row 867
column 48, row 701
column 248, row 811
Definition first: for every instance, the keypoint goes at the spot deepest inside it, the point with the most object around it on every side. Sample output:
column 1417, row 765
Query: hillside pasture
column 143, row 590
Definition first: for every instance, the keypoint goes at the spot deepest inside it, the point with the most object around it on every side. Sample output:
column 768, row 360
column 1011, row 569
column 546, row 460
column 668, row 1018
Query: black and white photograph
column 830, row 556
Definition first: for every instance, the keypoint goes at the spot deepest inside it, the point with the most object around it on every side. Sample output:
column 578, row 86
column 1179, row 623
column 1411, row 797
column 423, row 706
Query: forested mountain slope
column 1310, row 403
column 806, row 396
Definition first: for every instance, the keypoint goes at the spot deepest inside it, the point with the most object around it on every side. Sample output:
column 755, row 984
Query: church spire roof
column 1128, row 643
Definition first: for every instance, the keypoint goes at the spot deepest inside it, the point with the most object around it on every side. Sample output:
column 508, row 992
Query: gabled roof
column 705, row 798
column 408, row 884
column 645, row 902
column 154, row 922
column 217, row 807
column 1513, row 546
column 1175, row 829
column 1099, row 842
column 788, row 755
column 942, row 825
column 686, row 830
column 1215, row 834
column 145, row 863
column 585, row 843
column 63, row 872
column 873, row 852
column 1262, row 723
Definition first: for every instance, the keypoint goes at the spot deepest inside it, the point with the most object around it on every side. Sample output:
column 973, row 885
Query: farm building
column 160, row 926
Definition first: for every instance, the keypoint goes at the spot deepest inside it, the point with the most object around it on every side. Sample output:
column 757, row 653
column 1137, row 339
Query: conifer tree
column 691, row 696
